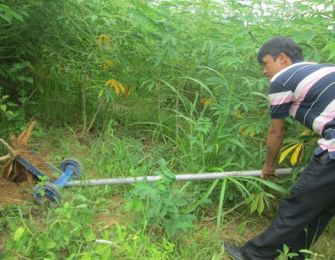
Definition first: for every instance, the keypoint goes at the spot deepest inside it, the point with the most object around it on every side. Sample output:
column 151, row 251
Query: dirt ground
column 14, row 193
column 19, row 188
column 16, row 182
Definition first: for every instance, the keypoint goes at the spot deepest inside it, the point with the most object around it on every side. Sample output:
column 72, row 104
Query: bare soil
column 18, row 187
column 16, row 182
column 14, row 192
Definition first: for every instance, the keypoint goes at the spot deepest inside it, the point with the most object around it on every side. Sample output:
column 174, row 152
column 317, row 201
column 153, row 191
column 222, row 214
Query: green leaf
column 220, row 208
column 331, row 48
column 8, row 14
column 273, row 186
column 101, row 92
column 254, row 203
column 51, row 244
column 260, row 207
column 242, row 146
column 18, row 233
column 3, row 107
column 90, row 236
column 86, row 256
column 25, row 79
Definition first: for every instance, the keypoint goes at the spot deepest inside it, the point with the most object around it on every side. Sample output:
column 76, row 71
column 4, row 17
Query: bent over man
column 306, row 92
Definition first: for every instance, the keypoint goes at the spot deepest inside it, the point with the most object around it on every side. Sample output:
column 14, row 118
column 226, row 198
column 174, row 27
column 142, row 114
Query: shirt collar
column 289, row 67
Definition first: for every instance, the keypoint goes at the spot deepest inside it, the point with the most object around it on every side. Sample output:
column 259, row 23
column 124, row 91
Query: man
column 306, row 92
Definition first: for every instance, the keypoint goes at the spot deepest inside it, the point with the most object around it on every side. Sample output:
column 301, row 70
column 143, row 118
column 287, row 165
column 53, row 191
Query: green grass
column 97, row 223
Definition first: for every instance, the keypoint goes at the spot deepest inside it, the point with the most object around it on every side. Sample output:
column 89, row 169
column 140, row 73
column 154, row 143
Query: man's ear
column 284, row 59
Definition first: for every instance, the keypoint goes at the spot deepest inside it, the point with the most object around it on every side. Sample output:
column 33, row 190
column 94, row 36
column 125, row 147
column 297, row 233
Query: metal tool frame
column 71, row 172
column 70, row 169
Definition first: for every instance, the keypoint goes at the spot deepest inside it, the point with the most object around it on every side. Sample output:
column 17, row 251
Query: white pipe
column 179, row 177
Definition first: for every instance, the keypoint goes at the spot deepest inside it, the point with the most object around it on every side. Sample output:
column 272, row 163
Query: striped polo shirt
column 306, row 91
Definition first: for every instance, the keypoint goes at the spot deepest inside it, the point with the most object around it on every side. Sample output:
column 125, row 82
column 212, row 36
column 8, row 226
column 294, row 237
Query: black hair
column 278, row 45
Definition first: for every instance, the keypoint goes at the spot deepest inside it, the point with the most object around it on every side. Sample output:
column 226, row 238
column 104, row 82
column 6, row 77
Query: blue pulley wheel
column 73, row 164
column 46, row 193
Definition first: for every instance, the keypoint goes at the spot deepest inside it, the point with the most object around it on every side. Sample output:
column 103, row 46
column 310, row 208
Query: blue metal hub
column 46, row 193
column 70, row 168
column 73, row 164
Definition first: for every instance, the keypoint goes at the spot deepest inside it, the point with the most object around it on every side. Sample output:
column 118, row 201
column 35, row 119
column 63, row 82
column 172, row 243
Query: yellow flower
column 242, row 131
column 116, row 86
column 127, row 92
column 206, row 101
column 239, row 114
column 107, row 64
column 104, row 41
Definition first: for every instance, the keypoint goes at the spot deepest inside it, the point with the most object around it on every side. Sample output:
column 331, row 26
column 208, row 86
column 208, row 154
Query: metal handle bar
column 179, row 177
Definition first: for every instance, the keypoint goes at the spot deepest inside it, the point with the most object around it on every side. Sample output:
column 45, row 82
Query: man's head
column 277, row 54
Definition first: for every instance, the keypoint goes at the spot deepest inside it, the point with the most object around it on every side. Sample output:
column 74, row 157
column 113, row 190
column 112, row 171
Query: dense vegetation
column 137, row 87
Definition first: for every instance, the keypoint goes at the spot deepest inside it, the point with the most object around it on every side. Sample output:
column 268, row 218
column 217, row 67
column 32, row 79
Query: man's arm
column 273, row 143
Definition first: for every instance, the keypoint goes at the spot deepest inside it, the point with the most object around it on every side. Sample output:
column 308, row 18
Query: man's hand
column 268, row 171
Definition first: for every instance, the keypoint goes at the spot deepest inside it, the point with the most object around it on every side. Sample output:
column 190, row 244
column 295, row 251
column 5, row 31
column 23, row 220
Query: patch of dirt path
column 14, row 193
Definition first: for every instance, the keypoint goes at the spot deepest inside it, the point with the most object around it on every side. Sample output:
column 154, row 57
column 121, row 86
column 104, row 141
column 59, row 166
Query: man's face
column 272, row 67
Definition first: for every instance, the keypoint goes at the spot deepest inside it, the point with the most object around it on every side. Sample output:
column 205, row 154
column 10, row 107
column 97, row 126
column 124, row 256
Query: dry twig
column 11, row 153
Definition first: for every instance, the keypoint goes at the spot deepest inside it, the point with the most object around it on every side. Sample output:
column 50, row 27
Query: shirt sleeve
column 280, row 98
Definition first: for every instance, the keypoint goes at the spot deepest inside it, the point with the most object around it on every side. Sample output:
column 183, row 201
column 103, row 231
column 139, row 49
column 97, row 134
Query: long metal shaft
column 179, row 177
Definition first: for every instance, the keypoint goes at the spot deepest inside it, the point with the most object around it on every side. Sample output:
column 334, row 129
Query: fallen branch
column 11, row 153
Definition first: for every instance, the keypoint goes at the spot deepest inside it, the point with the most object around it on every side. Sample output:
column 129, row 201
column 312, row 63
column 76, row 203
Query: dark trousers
column 303, row 216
